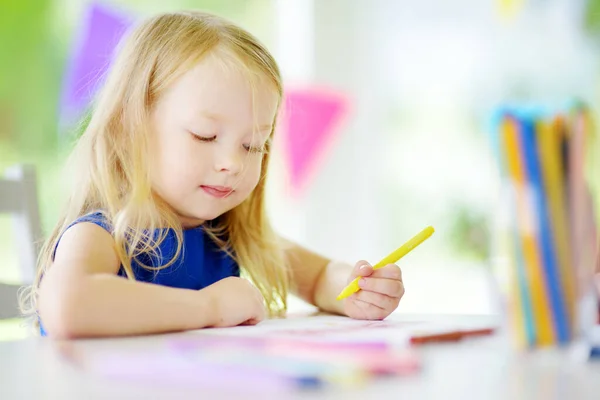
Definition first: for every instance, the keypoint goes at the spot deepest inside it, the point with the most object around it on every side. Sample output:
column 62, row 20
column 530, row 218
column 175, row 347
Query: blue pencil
column 519, row 266
column 545, row 237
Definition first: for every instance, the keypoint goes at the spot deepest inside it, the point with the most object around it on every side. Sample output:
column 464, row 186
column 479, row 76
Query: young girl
column 168, row 208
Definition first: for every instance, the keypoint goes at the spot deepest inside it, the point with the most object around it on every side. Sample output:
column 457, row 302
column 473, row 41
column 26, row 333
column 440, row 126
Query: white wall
column 424, row 76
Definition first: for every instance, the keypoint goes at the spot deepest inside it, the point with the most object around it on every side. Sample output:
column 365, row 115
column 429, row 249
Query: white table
column 478, row 368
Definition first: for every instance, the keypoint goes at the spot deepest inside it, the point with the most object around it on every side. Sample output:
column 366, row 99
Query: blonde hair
column 112, row 167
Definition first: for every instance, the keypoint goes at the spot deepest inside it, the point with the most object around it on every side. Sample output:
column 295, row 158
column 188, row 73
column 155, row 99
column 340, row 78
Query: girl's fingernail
column 362, row 282
column 364, row 266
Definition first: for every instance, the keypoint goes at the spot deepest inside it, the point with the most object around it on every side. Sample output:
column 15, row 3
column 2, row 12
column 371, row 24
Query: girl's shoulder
column 96, row 217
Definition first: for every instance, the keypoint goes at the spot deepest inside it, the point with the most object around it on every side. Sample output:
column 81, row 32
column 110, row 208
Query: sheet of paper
column 340, row 329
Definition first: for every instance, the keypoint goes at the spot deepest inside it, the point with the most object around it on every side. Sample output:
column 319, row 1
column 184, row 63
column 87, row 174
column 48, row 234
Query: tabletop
column 479, row 368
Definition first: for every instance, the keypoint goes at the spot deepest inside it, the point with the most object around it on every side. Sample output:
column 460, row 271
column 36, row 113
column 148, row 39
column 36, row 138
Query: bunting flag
column 310, row 122
column 101, row 30
column 509, row 9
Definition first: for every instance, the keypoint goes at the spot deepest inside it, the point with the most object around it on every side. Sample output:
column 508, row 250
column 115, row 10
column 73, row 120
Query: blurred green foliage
column 470, row 232
column 592, row 16
column 30, row 68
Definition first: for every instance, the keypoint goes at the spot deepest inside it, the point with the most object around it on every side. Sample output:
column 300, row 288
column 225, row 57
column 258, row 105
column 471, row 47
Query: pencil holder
column 545, row 237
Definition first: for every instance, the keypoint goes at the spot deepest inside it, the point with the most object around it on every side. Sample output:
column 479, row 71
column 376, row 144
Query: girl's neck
column 190, row 223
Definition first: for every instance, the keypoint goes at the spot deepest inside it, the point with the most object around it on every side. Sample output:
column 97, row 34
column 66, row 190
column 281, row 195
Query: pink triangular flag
column 310, row 121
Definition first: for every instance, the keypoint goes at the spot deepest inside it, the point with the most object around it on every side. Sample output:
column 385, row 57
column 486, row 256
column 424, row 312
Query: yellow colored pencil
column 549, row 148
column 390, row 259
column 544, row 329
column 516, row 301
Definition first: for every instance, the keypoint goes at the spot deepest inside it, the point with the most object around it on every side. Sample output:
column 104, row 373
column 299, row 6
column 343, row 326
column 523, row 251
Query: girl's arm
column 319, row 280
column 316, row 279
column 81, row 294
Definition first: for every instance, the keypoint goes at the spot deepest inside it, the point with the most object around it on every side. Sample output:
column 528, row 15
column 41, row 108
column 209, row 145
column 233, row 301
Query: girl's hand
column 236, row 302
column 381, row 291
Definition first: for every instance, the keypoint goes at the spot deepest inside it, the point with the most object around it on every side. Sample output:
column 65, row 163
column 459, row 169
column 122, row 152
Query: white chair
column 18, row 197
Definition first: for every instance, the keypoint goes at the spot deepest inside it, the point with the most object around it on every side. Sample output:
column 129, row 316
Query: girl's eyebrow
column 211, row 116
column 218, row 117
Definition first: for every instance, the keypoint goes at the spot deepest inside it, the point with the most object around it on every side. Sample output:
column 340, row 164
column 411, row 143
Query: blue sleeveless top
column 200, row 263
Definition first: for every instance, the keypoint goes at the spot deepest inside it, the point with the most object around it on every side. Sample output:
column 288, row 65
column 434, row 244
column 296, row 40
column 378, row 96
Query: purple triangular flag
column 101, row 31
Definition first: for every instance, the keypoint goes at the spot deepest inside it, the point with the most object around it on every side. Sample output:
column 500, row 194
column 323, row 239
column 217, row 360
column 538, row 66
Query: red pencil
column 453, row 336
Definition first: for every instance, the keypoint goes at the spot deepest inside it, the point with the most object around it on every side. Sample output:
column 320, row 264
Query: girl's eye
column 203, row 138
column 251, row 149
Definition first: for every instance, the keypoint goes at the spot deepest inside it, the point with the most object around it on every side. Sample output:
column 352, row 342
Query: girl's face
column 208, row 140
